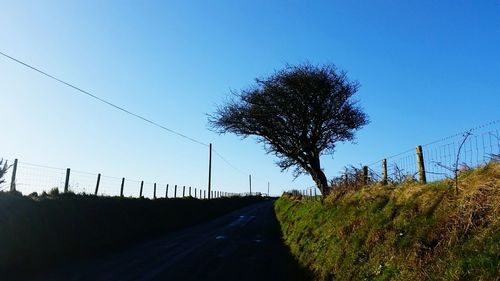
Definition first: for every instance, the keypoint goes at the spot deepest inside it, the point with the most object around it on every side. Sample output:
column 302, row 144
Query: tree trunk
column 319, row 176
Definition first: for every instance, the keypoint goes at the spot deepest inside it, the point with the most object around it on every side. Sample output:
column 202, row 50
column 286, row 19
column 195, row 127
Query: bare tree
column 298, row 113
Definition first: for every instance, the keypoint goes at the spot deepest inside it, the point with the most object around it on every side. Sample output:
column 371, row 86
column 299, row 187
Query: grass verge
column 400, row 232
column 39, row 232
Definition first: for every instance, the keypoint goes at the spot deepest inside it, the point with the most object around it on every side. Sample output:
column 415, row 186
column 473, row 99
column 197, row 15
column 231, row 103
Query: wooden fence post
column 204, row 194
column 140, row 191
column 66, row 183
column 166, row 192
column 97, row 184
column 384, row 172
column 183, row 191
column 154, row 191
column 195, row 193
column 189, row 191
column 420, row 164
column 13, row 179
column 175, row 192
column 121, row 188
column 365, row 175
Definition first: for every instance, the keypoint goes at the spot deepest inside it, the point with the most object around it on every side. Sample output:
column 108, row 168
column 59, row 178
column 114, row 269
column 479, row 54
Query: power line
column 227, row 162
column 103, row 100
column 118, row 107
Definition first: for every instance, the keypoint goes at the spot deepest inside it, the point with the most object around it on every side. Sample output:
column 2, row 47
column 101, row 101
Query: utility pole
column 250, row 181
column 268, row 190
column 209, row 169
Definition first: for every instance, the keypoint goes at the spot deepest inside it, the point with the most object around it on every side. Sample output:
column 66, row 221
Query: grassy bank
column 400, row 232
column 39, row 232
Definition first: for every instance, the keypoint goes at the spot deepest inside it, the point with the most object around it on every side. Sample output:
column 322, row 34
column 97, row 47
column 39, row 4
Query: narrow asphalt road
column 242, row 245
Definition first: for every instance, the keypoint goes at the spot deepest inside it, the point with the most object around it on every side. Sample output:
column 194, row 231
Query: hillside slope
column 400, row 232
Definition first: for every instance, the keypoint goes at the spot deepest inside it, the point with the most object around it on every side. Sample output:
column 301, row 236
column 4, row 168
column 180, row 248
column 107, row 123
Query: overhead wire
column 118, row 107
column 103, row 100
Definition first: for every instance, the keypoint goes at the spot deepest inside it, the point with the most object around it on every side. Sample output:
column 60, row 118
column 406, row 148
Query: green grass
column 39, row 232
column 400, row 232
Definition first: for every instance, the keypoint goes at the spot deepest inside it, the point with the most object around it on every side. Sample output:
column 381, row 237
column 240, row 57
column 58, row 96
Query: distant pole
column 97, row 184
column 121, row 189
column 268, row 195
column 195, row 192
column 384, row 172
column 140, row 190
column 204, row 194
column 189, row 191
column 166, row 192
column 66, row 183
column 183, row 191
column 13, row 179
column 175, row 192
column 209, row 169
column 250, row 182
column 154, row 191
column 421, row 167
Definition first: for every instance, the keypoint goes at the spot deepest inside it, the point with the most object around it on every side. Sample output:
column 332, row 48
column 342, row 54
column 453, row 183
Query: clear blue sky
column 428, row 69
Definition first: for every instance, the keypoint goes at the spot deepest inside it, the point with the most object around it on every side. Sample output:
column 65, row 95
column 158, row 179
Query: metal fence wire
column 33, row 178
column 468, row 149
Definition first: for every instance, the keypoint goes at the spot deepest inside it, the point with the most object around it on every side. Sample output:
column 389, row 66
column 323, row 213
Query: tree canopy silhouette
column 299, row 113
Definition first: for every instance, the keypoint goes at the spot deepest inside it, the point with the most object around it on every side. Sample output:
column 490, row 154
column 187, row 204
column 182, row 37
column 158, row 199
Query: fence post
column 175, row 192
column 13, row 180
column 201, row 197
column 204, row 194
column 154, row 191
column 365, row 175
column 66, row 183
column 97, row 184
column 140, row 191
column 384, row 172
column 189, row 191
column 421, row 167
column 121, row 188
column 166, row 192
column 183, row 191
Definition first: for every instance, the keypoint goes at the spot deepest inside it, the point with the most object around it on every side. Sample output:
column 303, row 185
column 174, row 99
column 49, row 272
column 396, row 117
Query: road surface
column 242, row 245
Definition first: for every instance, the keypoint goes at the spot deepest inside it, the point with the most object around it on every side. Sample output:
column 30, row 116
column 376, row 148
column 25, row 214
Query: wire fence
column 29, row 178
column 464, row 150
column 441, row 158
